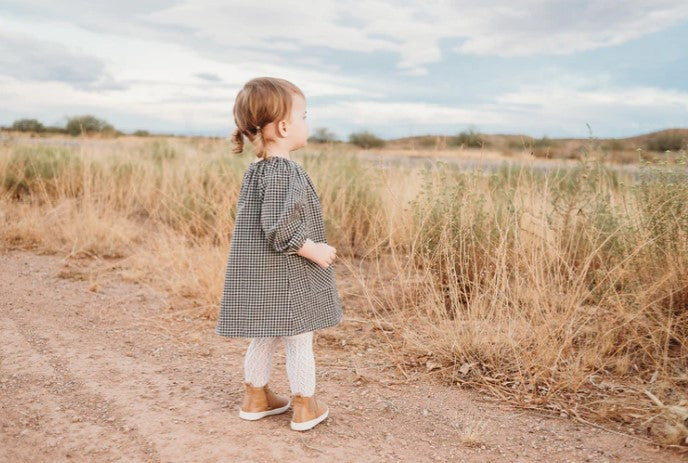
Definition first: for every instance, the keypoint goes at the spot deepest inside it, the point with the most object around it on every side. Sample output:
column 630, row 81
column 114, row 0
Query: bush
column 613, row 145
column 141, row 133
column 87, row 124
column 322, row 135
column 428, row 141
column 667, row 141
column 42, row 170
column 467, row 138
column 520, row 143
column 531, row 143
column 366, row 139
column 544, row 142
column 27, row 125
column 55, row 129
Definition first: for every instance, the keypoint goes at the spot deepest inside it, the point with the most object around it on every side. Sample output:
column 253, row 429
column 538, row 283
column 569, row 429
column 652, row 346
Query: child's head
column 271, row 112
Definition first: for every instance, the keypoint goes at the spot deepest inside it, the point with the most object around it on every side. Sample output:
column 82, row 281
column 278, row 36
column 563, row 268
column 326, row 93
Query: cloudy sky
column 396, row 68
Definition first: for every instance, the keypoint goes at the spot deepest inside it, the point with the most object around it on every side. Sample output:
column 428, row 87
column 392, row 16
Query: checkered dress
column 269, row 290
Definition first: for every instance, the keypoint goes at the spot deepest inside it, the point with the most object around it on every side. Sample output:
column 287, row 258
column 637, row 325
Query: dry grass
column 565, row 291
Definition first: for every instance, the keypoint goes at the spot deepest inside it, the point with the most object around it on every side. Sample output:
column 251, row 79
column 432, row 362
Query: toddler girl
column 279, row 280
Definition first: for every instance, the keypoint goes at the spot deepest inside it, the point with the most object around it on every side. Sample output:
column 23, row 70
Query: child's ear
column 282, row 127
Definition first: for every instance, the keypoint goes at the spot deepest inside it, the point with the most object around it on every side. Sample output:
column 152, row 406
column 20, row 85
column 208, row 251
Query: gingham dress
column 269, row 290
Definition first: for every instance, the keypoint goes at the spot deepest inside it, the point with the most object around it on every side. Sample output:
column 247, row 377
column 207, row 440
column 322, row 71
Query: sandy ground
column 118, row 375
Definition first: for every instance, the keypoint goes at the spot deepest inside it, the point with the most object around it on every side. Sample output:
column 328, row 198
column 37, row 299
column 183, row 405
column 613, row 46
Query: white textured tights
column 299, row 358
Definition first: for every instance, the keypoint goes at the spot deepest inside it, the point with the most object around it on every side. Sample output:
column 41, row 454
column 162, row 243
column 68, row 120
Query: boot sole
column 306, row 425
column 251, row 416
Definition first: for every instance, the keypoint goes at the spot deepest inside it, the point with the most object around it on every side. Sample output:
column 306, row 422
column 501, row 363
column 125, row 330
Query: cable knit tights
column 299, row 358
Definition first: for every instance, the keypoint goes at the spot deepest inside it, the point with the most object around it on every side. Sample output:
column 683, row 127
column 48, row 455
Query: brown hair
column 261, row 101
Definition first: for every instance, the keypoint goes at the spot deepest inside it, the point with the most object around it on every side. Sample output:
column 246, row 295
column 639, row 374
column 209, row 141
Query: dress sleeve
column 282, row 215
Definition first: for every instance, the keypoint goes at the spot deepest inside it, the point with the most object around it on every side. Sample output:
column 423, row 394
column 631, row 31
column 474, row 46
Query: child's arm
column 282, row 211
column 283, row 220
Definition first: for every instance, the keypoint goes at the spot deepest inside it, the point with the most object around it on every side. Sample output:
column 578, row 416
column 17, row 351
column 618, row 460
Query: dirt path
column 114, row 375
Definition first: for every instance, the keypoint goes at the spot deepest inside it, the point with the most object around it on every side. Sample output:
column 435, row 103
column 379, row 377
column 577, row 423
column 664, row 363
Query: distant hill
column 512, row 140
column 622, row 149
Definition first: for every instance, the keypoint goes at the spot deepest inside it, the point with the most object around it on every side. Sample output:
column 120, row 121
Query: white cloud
column 566, row 109
column 413, row 30
column 561, row 27
column 147, row 78
column 555, row 98
column 544, row 109
column 24, row 57
column 424, row 114
column 181, row 63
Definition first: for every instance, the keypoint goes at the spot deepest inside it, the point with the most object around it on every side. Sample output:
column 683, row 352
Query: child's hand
column 321, row 253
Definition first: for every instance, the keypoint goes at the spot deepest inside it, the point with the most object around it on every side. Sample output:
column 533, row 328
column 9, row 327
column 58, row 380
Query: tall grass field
column 563, row 290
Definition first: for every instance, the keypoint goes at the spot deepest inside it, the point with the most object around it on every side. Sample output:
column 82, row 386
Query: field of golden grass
column 564, row 290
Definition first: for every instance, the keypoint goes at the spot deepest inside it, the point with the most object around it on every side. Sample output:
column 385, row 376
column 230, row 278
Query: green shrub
column 366, row 139
column 544, row 142
column 322, row 135
column 39, row 169
column 427, row 141
column 519, row 144
column 613, row 145
column 667, row 141
column 27, row 125
column 87, row 124
column 467, row 138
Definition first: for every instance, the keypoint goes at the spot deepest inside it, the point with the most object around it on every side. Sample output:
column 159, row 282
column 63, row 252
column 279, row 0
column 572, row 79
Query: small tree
column 366, row 139
column 322, row 135
column 27, row 125
column 87, row 124
column 469, row 139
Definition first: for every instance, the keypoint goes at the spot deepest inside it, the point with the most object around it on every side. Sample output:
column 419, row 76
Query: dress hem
column 245, row 334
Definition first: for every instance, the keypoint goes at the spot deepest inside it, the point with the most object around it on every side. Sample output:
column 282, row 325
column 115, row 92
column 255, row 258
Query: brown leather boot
column 260, row 402
column 307, row 412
